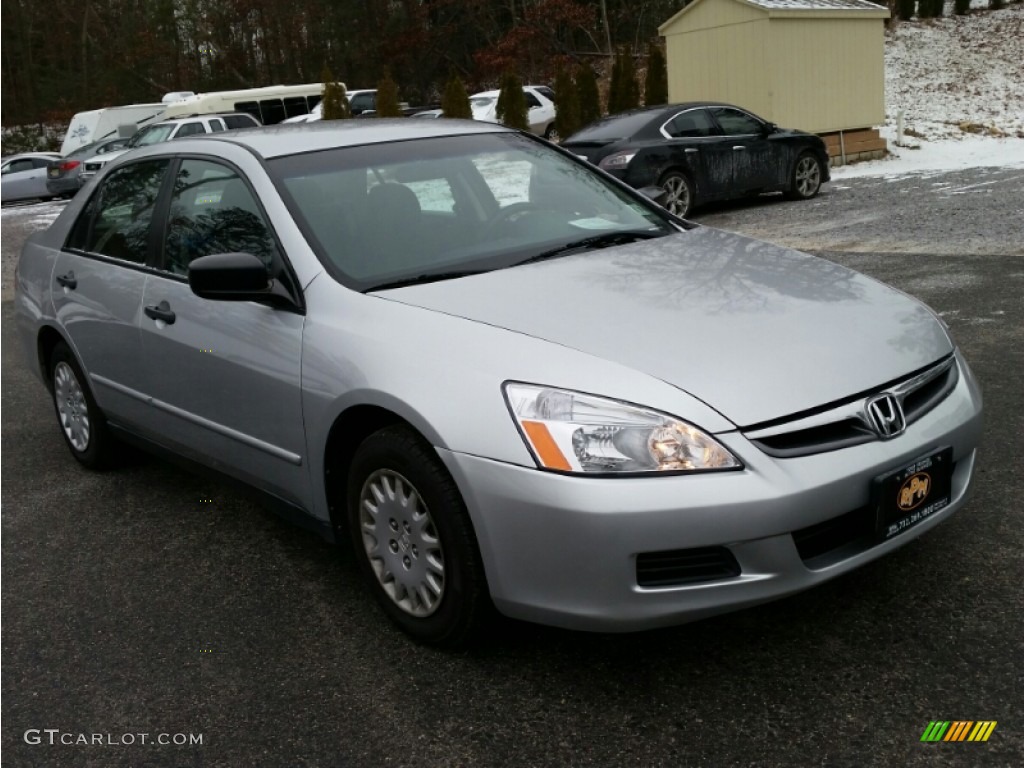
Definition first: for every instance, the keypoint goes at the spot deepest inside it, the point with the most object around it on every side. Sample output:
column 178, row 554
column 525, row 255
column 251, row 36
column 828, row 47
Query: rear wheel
column 806, row 179
column 81, row 423
column 551, row 134
column 413, row 539
column 680, row 193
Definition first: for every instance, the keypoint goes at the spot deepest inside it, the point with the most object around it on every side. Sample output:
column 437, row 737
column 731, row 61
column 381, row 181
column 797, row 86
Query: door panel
column 225, row 375
column 754, row 158
column 99, row 280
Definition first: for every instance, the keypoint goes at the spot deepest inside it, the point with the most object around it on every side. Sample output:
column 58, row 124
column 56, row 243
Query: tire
column 806, row 180
column 81, row 422
column 680, row 193
column 413, row 539
column 551, row 134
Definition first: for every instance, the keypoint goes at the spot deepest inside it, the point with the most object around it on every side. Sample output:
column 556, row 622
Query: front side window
column 736, row 123
column 190, row 129
column 385, row 213
column 17, row 166
column 117, row 220
column 531, row 100
column 213, row 211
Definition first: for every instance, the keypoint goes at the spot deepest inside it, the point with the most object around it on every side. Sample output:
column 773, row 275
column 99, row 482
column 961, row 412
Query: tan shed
column 816, row 65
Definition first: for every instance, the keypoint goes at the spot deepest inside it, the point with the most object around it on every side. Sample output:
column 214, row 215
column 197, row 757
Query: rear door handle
column 161, row 311
column 691, row 150
column 68, row 280
column 738, row 146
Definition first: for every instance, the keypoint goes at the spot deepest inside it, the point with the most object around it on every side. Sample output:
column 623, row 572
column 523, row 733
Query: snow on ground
column 968, row 151
column 957, row 72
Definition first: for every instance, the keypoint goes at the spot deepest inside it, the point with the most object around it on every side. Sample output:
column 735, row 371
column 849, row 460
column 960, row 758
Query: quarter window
column 736, row 123
column 116, row 221
column 213, row 211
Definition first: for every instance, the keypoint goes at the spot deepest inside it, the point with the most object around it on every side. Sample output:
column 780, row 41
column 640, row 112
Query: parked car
column 504, row 376
column 64, row 175
column 540, row 101
column 429, row 113
column 704, row 151
column 177, row 128
column 23, row 176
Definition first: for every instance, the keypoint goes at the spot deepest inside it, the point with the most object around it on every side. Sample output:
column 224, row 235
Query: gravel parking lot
column 152, row 601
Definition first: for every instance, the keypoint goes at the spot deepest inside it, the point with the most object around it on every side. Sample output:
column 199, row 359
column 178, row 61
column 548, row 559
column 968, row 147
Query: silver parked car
column 23, row 176
column 504, row 375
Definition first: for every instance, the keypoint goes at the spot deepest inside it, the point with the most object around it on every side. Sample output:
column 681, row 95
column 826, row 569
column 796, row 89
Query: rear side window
column 216, row 125
column 213, row 211
column 531, row 100
column 239, row 121
column 271, row 111
column 693, row 122
column 117, row 219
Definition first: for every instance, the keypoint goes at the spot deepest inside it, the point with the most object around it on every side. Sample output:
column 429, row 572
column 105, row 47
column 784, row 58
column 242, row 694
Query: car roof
column 25, row 155
column 496, row 92
column 296, row 138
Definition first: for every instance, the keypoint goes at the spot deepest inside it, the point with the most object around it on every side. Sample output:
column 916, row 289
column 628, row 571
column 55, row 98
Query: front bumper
column 563, row 550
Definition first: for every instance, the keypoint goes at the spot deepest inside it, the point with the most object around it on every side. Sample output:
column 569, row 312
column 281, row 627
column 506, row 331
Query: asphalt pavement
column 151, row 601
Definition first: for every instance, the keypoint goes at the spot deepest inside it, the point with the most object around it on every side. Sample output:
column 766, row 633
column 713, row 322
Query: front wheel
column 806, row 181
column 679, row 201
column 551, row 134
column 413, row 539
column 81, row 423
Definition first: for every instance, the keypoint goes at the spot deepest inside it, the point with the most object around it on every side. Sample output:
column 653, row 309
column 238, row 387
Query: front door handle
column 161, row 311
column 739, row 146
column 68, row 280
column 690, row 150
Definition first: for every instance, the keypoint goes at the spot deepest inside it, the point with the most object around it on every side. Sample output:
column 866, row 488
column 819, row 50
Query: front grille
column 826, row 437
column 921, row 400
column 685, row 566
column 844, row 424
column 835, row 539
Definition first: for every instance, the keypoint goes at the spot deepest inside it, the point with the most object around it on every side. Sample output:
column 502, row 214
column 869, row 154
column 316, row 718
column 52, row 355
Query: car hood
column 756, row 331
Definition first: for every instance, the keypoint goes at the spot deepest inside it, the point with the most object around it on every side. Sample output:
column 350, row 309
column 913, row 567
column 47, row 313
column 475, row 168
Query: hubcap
column 401, row 542
column 71, row 405
column 678, row 201
column 808, row 176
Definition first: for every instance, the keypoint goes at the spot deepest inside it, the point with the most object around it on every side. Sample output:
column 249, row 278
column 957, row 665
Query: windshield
column 616, row 126
column 151, row 134
column 387, row 213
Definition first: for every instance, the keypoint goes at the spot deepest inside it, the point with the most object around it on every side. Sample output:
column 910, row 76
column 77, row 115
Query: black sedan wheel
column 413, row 539
column 81, row 422
column 806, row 177
column 680, row 193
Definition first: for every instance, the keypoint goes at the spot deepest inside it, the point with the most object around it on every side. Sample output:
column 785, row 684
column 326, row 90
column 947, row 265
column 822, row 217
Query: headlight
column 617, row 161
column 578, row 433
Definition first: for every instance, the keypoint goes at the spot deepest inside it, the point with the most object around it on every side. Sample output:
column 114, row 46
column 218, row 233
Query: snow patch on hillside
column 957, row 75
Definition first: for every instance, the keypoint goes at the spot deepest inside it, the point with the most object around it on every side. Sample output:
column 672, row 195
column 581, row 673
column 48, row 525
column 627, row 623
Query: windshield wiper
column 603, row 240
column 429, row 277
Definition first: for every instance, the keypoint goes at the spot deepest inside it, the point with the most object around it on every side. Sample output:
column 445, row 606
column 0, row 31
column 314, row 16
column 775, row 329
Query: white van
column 107, row 123
column 270, row 105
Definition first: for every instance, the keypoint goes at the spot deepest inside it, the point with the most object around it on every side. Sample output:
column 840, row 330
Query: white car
column 540, row 100
column 359, row 101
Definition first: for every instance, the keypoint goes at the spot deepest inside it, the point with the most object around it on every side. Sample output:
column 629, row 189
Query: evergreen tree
column 905, row 9
column 656, row 85
column 961, row 7
column 615, row 85
column 567, row 105
column 455, row 101
column 630, row 98
column 587, row 97
column 334, row 104
column 387, row 97
column 511, row 109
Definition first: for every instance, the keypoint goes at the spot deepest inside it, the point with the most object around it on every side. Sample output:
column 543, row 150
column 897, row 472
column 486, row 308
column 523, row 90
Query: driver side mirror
column 231, row 277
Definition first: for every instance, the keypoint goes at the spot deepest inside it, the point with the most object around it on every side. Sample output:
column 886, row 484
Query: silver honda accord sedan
column 508, row 379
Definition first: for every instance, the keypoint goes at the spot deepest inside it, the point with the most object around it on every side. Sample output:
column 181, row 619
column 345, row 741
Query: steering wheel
column 512, row 212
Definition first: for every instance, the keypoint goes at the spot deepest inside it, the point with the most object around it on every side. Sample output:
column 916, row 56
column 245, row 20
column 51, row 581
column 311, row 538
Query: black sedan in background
column 63, row 176
column 700, row 152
